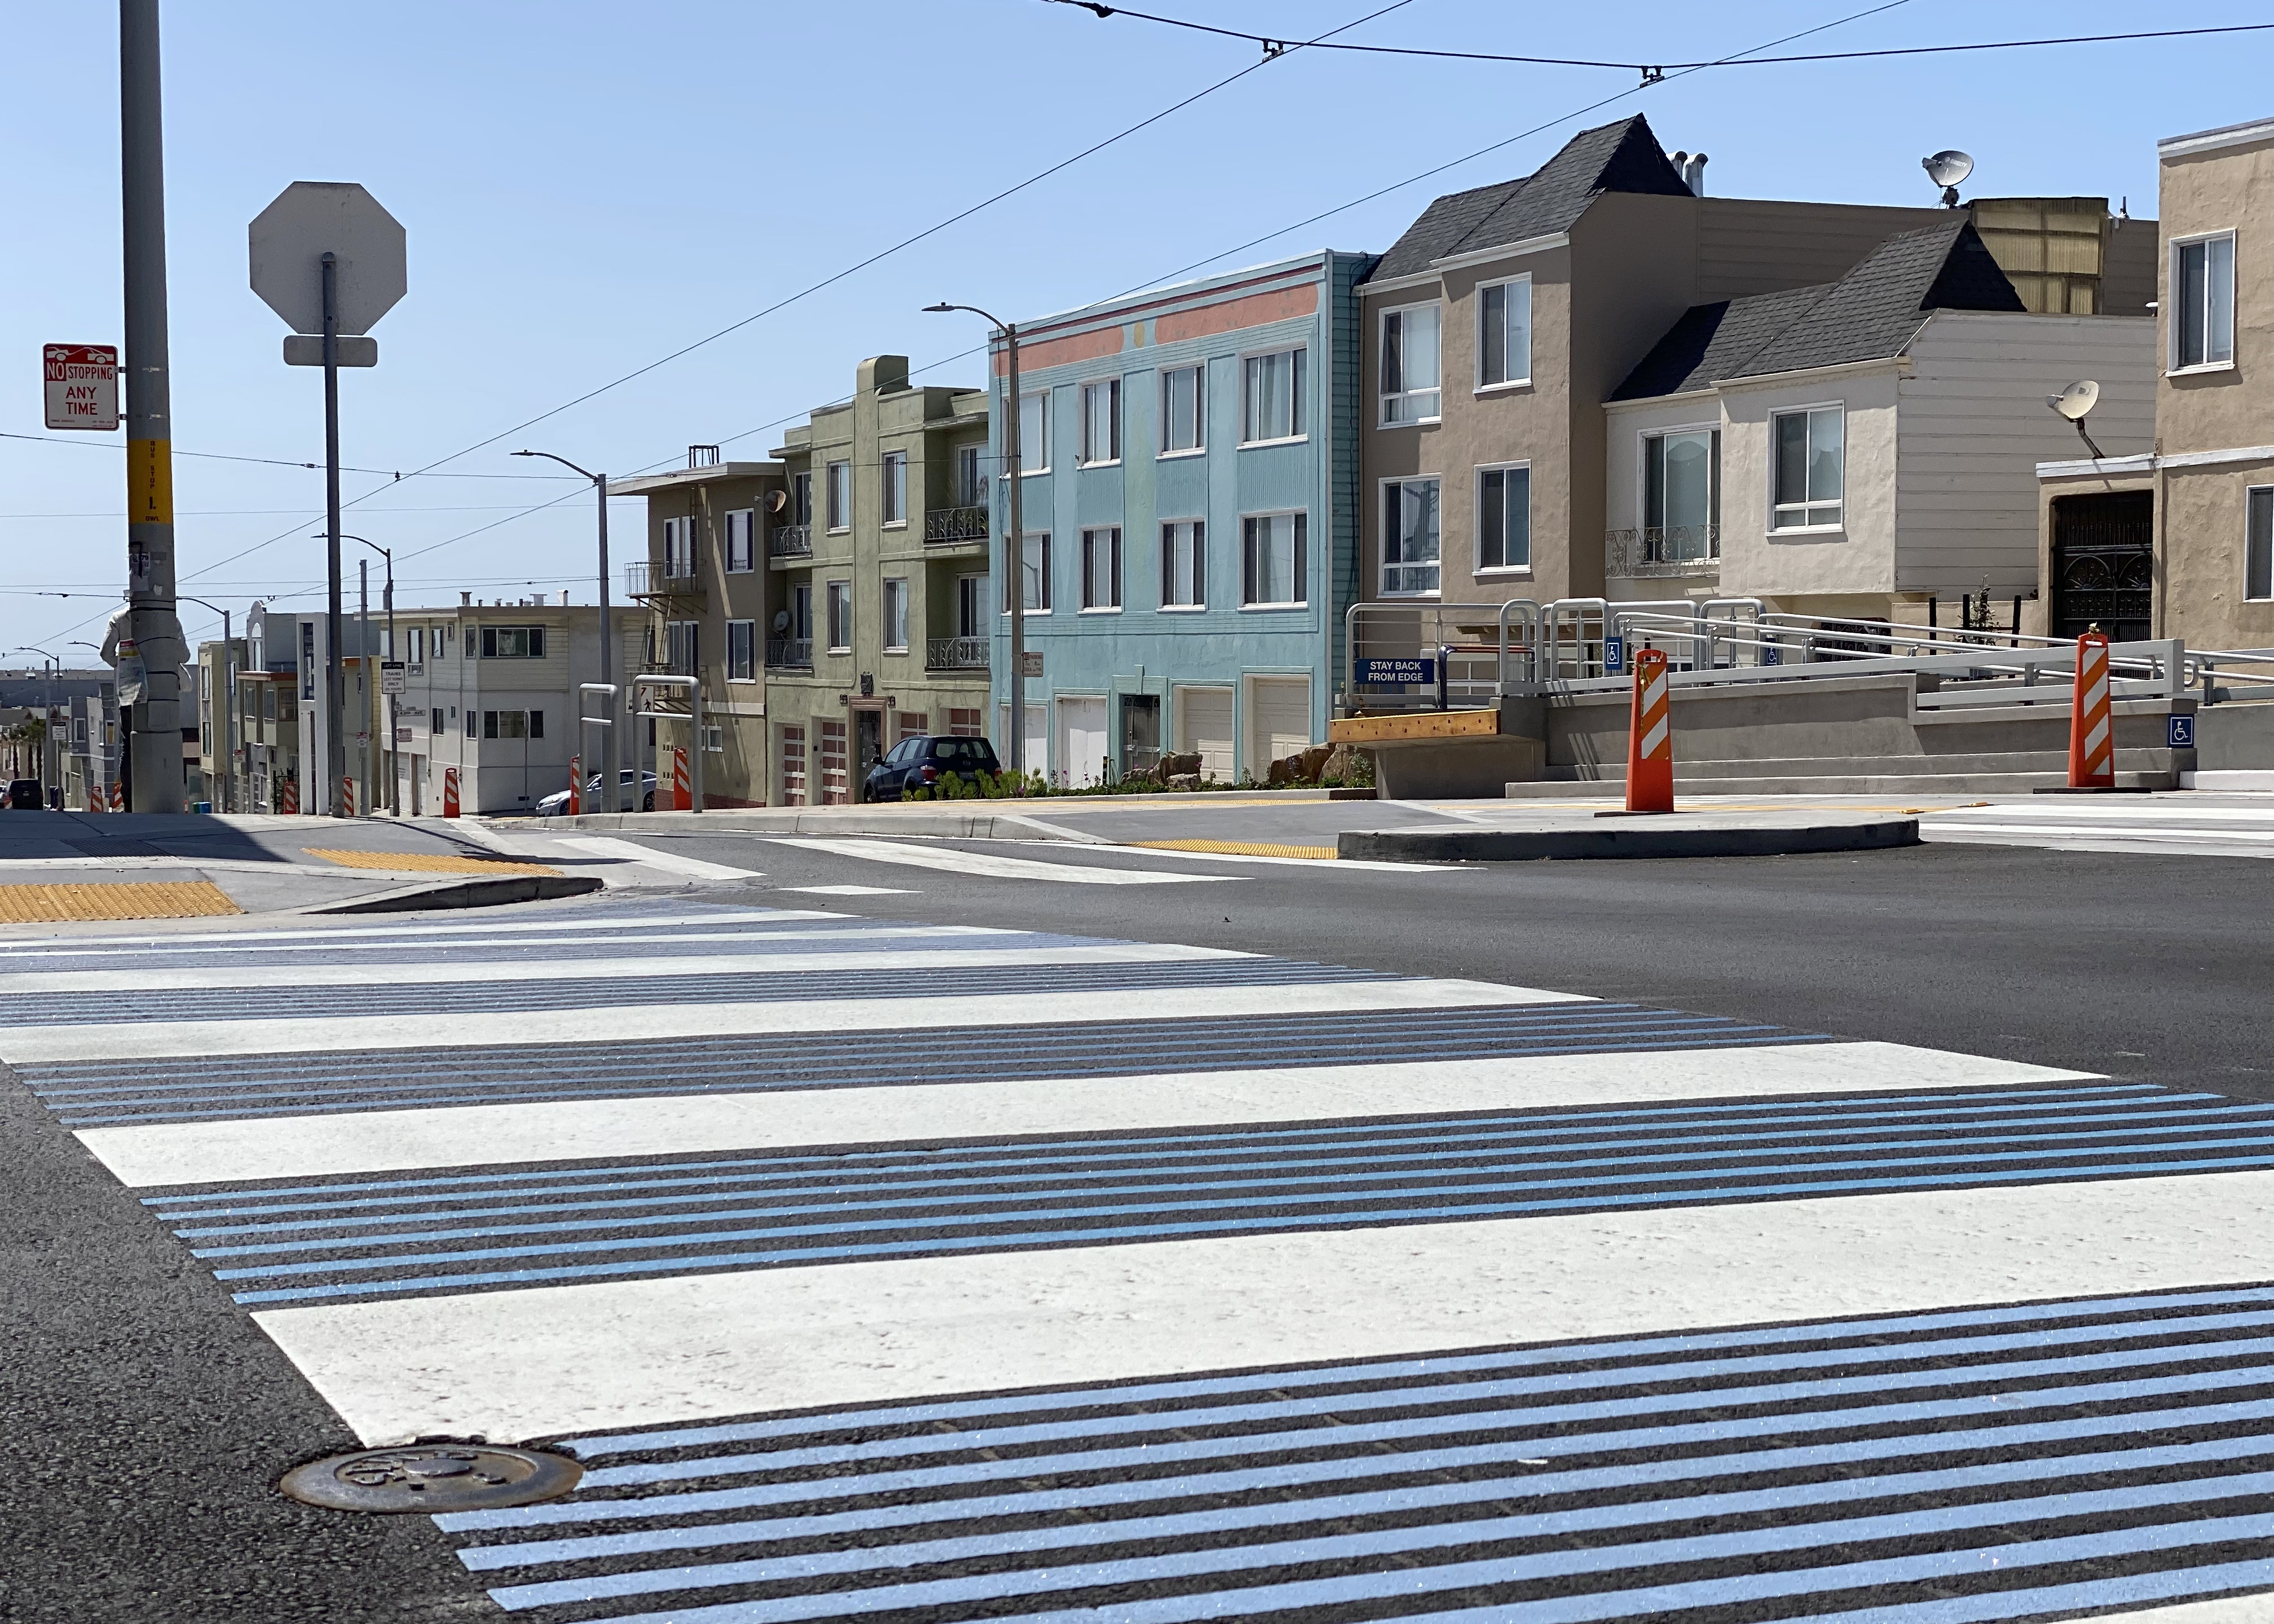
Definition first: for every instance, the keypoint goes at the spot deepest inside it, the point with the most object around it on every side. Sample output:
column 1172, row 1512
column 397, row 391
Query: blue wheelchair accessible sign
column 2179, row 732
column 1615, row 655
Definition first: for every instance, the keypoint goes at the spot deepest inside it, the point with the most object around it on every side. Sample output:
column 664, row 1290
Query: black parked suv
column 24, row 795
column 920, row 762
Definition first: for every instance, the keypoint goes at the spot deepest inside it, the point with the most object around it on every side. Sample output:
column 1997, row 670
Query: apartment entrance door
column 867, row 742
column 2104, row 565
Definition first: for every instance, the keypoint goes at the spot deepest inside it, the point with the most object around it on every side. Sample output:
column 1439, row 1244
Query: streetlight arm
column 565, row 462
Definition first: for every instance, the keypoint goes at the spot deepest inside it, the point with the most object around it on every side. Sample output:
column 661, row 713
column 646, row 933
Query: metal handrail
column 790, row 541
column 956, row 653
column 947, row 526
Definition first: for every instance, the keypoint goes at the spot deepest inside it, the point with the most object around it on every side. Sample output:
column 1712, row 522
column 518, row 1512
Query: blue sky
column 590, row 187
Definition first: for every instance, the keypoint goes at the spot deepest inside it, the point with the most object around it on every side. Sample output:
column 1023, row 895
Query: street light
column 81, row 642
column 1014, row 544
column 394, row 704
column 47, row 712
column 610, row 749
column 228, row 700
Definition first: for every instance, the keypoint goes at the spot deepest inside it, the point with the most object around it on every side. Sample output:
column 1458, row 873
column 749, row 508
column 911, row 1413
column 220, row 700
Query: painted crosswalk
column 2182, row 825
column 881, row 1269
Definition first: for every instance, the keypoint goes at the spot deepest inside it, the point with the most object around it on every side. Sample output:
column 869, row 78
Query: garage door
column 1081, row 741
column 1204, row 725
column 1278, row 720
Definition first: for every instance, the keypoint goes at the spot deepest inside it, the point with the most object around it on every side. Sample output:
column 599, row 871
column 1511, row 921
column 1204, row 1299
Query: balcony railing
column 1663, row 549
column 789, row 653
column 650, row 579
column 945, row 527
column 955, row 653
column 790, row 541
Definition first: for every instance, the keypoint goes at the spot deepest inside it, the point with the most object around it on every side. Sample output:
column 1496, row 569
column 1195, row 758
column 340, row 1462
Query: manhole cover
column 445, row 1476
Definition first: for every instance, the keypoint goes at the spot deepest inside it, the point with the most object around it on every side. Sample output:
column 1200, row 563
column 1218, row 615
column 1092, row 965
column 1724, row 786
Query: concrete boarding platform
column 1575, row 834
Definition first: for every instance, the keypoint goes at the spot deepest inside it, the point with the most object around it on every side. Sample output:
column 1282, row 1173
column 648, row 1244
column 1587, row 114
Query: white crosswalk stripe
column 2119, row 823
column 941, row 1273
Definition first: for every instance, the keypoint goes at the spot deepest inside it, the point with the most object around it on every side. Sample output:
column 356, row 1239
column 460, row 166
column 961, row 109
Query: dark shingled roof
column 1621, row 157
column 1871, row 313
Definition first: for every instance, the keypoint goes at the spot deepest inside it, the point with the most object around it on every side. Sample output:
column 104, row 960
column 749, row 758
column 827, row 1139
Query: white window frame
column 2258, row 544
column 836, row 610
column 1109, row 536
column 894, row 468
column 970, row 597
column 1042, row 538
column 1382, row 564
column 1035, row 459
column 2177, row 304
column 1513, row 381
column 1299, row 411
column 1198, row 584
column 1385, row 397
column 679, row 548
column 1109, row 390
column 837, row 495
column 1716, row 494
column 742, row 540
column 896, row 614
column 971, row 475
column 1299, row 571
column 1805, row 507
column 1198, row 371
column 1477, row 495
column 800, row 496
column 743, row 662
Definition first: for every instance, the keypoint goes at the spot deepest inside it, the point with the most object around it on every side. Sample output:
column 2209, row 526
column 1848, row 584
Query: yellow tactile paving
column 1240, row 848
column 425, row 862
column 41, row 904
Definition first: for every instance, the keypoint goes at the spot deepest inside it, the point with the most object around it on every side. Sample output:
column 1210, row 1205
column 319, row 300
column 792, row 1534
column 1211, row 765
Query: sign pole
column 153, row 718
column 335, row 711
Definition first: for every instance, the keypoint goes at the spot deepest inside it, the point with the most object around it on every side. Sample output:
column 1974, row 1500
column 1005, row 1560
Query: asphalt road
column 148, row 1417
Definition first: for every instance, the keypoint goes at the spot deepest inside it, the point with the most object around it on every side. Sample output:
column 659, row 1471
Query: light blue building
column 1191, row 513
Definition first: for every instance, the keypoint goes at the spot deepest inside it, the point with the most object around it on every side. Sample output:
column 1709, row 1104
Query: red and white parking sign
column 82, row 386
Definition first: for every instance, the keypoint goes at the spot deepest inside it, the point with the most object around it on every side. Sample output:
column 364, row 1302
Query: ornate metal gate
column 2104, row 565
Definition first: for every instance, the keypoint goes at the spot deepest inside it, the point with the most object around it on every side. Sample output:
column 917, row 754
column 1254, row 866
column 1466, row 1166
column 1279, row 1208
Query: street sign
column 82, row 386
column 311, row 218
column 1034, row 667
column 2179, row 732
column 308, row 349
column 390, row 677
column 1416, row 673
column 1615, row 655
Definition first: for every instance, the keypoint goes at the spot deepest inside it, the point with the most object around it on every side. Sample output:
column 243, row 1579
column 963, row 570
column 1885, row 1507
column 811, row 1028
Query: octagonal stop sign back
column 309, row 219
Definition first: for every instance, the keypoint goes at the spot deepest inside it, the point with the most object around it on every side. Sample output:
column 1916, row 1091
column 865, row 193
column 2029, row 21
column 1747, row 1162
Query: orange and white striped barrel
column 1650, row 738
column 682, row 797
column 2092, row 729
column 449, row 791
column 119, row 798
column 288, row 799
column 576, row 786
column 346, row 796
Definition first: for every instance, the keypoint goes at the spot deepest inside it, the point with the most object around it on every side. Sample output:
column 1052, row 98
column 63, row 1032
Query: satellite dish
column 1947, row 170
column 781, row 622
column 2076, row 402
column 776, row 500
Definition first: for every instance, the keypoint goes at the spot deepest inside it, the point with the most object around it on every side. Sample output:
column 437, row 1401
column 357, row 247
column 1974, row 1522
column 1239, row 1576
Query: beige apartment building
column 1504, row 322
column 830, row 601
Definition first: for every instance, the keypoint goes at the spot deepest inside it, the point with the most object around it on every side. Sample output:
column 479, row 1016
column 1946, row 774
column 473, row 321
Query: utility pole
column 228, row 796
column 364, row 707
column 610, row 748
column 335, row 766
column 1014, row 544
column 154, row 722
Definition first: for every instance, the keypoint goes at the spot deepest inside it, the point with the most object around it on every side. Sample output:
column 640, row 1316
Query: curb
column 470, row 894
column 919, row 820
column 1636, row 839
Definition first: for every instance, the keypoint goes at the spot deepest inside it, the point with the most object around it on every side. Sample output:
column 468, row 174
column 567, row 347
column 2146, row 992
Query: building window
column 1035, row 432
column 896, row 487
column 2203, row 302
column 1034, row 566
column 801, row 499
column 435, row 721
column 1271, row 559
column 1100, row 421
column 1504, row 332
column 417, row 640
column 680, row 642
column 1504, row 517
column 1271, row 396
column 971, row 605
column 1409, row 376
column 473, row 724
column 2258, row 544
column 742, row 650
column 1682, row 496
column 739, row 554
column 1184, row 564
column 970, row 476
column 508, row 724
column 441, row 635
column 840, row 617
column 1408, row 537
column 1184, row 425
column 1101, row 569
column 896, row 614
column 801, row 611
column 679, row 548
column 839, row 496
column 1808, row 458
column 513, row 642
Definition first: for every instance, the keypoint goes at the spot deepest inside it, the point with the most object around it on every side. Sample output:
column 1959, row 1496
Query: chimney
column 564, row 598
column 465, row 600
column 1693, row 174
